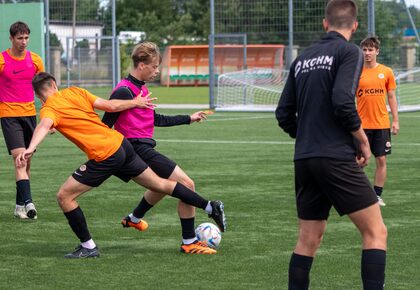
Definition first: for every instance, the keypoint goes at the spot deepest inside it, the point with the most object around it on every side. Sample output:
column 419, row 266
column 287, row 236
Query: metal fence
column 298, row 23
column 81, row 47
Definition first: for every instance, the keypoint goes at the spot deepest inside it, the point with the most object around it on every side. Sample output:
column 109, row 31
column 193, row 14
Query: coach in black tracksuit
column 317, row 107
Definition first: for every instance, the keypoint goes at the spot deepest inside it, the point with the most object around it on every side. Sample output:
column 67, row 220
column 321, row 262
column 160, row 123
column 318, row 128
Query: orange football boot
column 141, row 225
column 197, row 248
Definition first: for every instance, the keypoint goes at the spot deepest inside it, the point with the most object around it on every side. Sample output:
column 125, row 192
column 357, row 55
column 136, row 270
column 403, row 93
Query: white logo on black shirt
column 323, row 62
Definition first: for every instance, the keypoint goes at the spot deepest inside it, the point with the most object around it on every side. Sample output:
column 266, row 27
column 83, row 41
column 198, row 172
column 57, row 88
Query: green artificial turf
column 241, row 158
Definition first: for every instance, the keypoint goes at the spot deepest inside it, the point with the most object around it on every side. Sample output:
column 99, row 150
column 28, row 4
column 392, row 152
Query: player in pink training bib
column 137, row 125
column 17, row 109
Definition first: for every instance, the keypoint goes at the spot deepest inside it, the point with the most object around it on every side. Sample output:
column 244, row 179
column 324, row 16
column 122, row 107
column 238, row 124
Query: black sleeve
column 122, row 93
column 168, row 121
column 286, row 109
column 345, row 86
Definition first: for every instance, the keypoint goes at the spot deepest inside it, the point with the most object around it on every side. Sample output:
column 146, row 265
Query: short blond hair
column 145, row 52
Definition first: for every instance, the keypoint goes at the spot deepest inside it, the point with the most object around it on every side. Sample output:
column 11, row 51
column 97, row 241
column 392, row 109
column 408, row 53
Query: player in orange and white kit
column 377, row 83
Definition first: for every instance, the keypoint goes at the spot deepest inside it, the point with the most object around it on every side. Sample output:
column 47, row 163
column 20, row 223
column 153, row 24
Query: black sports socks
column 378, row 190
column 78, row 224
column 188, row 231
column 299, row 269
column 373, row 269
column 23, row 192
column 188, row 196
column 142, row 208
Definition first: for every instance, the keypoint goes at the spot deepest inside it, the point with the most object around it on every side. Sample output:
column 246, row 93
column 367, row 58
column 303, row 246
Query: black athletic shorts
column 323, row 182
column 160, row 164
column 18, row 131
column 123, row 164
column 380, row 141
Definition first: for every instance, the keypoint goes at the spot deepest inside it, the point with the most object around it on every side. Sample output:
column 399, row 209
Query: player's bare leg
column 371, row 226
column 66, row 198
column 374, row 234
column 24, row 205
column 380, row 177
column 310, row 236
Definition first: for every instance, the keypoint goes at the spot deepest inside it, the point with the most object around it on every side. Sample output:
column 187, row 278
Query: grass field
column 172, row 95
column 241, row 158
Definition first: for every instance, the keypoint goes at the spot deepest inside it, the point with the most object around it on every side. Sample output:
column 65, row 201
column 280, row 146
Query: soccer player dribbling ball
column 18, row 66
column 376, row 83
column 71, row 112
column 317, row 107
column 137, row 125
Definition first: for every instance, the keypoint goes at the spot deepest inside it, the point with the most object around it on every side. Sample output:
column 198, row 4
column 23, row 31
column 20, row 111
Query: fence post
column 211, row 56
column 290, row 47
column 115, row 47
column 371, row 17
column 47, row 35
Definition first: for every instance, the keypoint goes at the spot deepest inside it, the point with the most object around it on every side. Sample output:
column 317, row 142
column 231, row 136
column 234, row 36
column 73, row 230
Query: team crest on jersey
column 381, row 76
column 82, row 167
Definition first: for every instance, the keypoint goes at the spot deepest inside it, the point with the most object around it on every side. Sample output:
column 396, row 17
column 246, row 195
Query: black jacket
column 317, row 105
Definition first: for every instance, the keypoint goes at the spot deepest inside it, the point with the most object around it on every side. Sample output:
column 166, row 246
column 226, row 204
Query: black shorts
column 323, row 182
column 380, row 141
column 160, row 164
column 18, row 131
column 124, row 164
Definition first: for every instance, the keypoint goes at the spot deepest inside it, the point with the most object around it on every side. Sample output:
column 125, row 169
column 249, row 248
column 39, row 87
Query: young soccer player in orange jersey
column 71, row 112
column 377, row 83
column 17, row 109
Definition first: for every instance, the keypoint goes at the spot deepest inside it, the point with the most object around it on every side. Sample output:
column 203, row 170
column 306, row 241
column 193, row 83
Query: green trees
column 166, row 21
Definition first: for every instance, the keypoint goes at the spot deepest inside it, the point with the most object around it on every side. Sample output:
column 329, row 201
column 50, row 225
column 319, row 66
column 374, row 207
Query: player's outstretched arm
column 393, row 105
column 114, row 105
column 41, row 130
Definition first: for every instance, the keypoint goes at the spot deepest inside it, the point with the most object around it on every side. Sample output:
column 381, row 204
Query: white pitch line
column 252, row 142
column 406, row 144
column 226, row 142
column 240, row 118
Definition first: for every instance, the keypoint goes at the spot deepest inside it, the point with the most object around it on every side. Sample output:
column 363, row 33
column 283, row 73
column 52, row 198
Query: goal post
column 408, row 90
column 255, row 89
column 259, row 90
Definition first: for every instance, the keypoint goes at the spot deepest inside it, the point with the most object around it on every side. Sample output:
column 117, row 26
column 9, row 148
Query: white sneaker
column 31, row 211
column 20, row 212
column 381, row 201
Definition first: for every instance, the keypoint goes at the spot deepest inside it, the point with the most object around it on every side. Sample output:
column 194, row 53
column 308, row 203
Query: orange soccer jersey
column 20, row 109
column 371, row 96
column 73, row 115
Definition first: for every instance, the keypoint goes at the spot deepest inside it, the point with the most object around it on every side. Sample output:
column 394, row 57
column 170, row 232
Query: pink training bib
column 16, row 79
column 135, row 123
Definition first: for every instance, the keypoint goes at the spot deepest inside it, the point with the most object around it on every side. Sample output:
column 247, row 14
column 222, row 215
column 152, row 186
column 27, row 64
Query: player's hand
column 198, row 116
column 52, row 131
column 23, row 157
column 395, row 128
column 364, row 155
column 145, row 102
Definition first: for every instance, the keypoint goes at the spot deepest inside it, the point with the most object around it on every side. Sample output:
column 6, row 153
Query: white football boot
column 20, row 212
column 31, row 211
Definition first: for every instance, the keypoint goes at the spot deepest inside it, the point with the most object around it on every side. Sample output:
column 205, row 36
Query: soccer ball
column 210, row 234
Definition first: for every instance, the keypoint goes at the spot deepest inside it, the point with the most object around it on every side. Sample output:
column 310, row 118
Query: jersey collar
column 135, row 81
